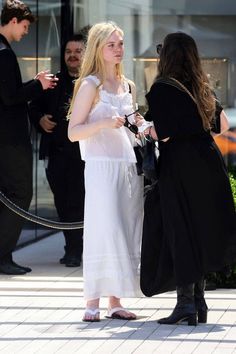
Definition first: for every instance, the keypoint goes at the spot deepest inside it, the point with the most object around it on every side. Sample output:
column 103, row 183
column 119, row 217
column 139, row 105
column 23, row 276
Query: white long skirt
column 112, row 229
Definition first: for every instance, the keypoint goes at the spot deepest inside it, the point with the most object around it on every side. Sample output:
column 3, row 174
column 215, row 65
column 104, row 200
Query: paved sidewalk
column 41, row 313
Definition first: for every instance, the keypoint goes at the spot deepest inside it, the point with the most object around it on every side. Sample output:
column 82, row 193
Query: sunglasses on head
column 159, row 48
column 132, row 127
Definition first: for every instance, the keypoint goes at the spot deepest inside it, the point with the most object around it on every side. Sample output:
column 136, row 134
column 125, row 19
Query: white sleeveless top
column 110, row 144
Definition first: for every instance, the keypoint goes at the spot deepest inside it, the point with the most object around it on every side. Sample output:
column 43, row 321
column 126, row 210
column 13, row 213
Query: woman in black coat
column 189, row 225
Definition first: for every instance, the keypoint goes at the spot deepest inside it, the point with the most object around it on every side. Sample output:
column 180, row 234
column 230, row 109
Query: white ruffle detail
column 110, row 144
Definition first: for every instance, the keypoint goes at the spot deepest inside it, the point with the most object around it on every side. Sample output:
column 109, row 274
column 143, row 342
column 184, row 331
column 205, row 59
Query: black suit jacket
column 14, row 96
column 55, row 102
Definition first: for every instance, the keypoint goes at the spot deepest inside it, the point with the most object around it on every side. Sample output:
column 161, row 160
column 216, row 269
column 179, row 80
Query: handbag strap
column 176, row 83
column 184, row 88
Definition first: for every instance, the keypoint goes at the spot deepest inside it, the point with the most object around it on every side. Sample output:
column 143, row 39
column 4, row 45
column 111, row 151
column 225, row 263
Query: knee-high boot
column 200, row 303
column 185, row 308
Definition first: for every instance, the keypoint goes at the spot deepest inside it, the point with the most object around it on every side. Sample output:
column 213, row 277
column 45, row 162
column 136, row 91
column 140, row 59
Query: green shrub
column 232, row 178
column 226, row 278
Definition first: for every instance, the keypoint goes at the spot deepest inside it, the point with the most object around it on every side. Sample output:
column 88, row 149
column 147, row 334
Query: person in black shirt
column 15, row 145
column 64, row 167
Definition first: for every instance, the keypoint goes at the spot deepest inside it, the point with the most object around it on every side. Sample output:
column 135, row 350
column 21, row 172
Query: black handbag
column 145, row 153
column 146, row 159
column 149, row 159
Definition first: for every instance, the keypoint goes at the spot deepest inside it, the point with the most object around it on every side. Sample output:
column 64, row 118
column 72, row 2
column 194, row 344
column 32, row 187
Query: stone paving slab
column 41, row 312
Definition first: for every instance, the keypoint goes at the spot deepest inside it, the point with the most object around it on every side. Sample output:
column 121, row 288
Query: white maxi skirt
column 112, row 229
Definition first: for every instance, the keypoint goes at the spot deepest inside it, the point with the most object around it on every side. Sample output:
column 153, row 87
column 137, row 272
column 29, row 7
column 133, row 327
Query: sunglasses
column 132, row 127
column 159, row 48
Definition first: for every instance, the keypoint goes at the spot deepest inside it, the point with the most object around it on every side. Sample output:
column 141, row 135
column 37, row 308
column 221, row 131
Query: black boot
column 200, row 303
column 71, row 258
column 185, row 308
column 63, row 259
column 25, row 269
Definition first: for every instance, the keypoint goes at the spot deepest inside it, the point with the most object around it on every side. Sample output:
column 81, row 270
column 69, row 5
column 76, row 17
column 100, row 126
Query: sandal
column 93, row 313
column 114, row 314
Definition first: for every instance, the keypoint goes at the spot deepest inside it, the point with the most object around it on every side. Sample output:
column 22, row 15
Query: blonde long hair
column 93, row 62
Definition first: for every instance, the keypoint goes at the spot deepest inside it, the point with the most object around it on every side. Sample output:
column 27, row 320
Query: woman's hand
column 114, row 123
column 151, row 131
column 139, row 120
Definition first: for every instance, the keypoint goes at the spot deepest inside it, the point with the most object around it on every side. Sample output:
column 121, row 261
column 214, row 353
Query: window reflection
column 145, row 23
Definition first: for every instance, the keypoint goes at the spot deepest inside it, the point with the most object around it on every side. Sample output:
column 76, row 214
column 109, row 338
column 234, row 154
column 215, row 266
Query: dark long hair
column 179, row 59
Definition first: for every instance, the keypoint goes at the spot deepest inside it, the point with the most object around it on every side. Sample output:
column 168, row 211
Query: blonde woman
column 113, row 201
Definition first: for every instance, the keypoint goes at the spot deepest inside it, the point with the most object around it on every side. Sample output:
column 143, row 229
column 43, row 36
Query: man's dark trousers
column 16, row 184
column 65, row 175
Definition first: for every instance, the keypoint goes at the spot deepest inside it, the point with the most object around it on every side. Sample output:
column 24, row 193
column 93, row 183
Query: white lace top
column 110, row 144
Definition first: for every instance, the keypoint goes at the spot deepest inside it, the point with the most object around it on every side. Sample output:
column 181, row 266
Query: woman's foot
column 116, row 310
column 120, row 313
column 92, row 313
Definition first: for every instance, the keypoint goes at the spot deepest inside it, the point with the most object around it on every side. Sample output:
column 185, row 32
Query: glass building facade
column 145, row 23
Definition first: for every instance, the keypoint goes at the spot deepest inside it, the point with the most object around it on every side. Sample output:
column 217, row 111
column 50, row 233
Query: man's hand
column 48, row 81
column 46, row 123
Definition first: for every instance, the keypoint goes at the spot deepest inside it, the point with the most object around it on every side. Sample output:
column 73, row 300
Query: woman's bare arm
column 84, row 100
column 224, row 124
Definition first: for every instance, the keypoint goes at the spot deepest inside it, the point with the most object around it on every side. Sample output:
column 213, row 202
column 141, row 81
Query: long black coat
column 189, row 224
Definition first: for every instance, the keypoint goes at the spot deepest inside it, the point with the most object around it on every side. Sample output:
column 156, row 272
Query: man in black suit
column 15, row 145
column 64, row 167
